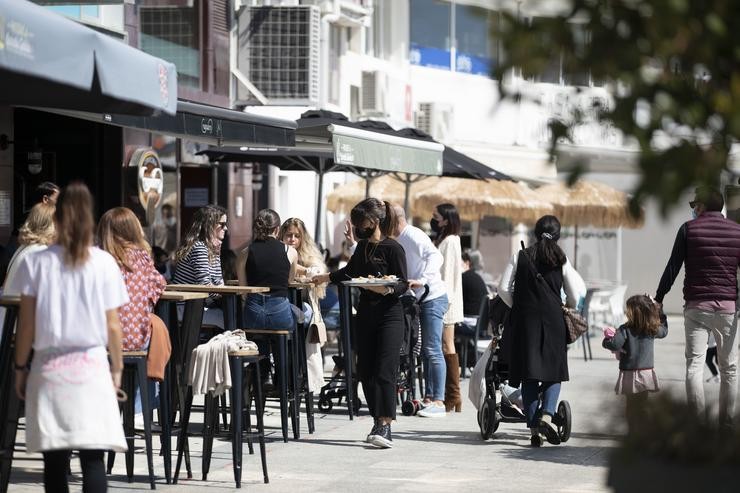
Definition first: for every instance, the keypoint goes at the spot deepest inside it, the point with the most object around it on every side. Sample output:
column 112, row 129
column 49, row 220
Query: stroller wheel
column 565, row 420
column 489, row 419
column 325, row 405
column 408, row 408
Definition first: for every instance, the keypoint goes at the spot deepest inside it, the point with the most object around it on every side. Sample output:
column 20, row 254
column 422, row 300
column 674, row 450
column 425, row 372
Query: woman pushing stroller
column 531, row 285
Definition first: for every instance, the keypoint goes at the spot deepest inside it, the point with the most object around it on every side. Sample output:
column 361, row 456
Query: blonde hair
column 120, row 231
column 39, row 226
column 309, row 254
column 643, row 315
column 74, row 223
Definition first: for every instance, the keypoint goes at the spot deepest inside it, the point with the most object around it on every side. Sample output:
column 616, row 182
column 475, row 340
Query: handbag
column 575, row 324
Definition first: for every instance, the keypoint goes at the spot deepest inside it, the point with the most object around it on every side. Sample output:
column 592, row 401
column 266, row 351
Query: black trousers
column 380, row 329
column 56, row 465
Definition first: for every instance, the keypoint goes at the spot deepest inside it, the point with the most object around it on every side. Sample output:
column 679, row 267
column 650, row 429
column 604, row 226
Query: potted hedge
column 674, row 450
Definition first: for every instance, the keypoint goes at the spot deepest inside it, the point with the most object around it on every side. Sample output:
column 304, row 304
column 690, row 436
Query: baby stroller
column 410, row 370
column 336, row 388
column 497, row 407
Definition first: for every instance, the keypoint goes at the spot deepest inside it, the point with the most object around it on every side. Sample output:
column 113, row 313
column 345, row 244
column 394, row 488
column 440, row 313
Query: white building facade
column 427, row 63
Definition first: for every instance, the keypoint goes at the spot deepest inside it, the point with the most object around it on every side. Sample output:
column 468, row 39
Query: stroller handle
column 426, row 292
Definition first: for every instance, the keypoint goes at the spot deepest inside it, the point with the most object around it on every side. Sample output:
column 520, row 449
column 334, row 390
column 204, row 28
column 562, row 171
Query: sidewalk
column 430, row 455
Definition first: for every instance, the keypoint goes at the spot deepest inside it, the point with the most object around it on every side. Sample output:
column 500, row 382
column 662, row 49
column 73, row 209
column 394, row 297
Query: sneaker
column 536, row 440
column 382, row 438
column 433, row 411
column 373, row 432
column 550, row 432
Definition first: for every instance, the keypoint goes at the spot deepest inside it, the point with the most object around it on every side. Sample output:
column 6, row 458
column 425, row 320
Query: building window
column 455, row 37
column 431, row 33
column 561, row 69
column 172, row 33
column 475, row 51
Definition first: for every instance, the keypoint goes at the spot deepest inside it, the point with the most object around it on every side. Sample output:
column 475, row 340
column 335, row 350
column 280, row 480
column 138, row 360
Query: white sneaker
column 433, row 411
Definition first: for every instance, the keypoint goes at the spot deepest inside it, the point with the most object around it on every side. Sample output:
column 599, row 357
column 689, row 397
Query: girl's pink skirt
column 637, row 381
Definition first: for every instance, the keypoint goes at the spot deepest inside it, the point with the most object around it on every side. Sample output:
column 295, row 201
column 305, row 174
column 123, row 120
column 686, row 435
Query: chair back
column 481, row 326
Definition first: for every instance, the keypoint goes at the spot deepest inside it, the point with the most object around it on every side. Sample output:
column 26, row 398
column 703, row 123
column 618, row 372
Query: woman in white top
column 446, row 224
column 35, row 235
column 70, row 295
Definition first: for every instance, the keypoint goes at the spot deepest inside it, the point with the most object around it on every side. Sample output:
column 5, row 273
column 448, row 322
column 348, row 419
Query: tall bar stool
column 239, row 363
column 134, row 371
column 288, row 374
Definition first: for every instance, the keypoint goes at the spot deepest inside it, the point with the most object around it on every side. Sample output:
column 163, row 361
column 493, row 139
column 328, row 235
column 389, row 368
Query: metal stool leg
column 257, row 382
column 237, row 402
column 282, row 354
column 295, row 415
column 147, row 411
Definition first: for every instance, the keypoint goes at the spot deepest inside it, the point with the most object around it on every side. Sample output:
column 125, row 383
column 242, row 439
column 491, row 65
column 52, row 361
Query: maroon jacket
column 709, row 246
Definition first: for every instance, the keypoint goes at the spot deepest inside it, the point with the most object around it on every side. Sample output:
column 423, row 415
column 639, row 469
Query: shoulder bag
column 575, row 323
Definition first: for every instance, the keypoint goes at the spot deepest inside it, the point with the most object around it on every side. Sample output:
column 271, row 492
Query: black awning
column 49, row 60
column 287, row 158
column 456, row 164
column 204, row 123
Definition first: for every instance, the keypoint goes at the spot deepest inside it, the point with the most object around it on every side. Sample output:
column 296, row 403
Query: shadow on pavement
column 589, row 455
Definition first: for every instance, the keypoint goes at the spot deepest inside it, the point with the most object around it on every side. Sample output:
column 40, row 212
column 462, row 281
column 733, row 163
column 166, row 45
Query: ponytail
column 546, row 250
column 389, row 223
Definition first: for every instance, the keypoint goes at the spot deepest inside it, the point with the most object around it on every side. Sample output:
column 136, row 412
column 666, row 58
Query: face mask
column 694, row 215
column 434, row 224
column 170, row 221
column 364, row 233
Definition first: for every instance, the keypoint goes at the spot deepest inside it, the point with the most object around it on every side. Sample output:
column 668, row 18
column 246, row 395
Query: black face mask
column 435, row 225
column 364, row 233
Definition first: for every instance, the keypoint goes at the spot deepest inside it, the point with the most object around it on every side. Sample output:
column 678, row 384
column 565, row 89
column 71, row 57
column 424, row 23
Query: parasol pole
column 319, row 201
column 575, row 248
column 619, row 256
column 407, row 193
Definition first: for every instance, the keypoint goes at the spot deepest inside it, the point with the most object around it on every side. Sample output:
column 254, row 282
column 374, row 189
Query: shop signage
column 150, row 178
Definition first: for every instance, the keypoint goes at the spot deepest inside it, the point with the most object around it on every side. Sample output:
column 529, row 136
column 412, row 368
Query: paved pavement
column 429, row 455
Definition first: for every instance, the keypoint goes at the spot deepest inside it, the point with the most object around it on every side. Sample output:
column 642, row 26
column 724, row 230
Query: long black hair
column 453, row 227
column 380, row 212
column 547, row 251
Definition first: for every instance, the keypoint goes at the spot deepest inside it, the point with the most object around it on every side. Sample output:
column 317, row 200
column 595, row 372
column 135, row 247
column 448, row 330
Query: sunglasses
column 222, row 224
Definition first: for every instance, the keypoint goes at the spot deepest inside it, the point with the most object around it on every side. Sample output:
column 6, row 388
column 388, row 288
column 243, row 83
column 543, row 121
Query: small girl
column 634, row 341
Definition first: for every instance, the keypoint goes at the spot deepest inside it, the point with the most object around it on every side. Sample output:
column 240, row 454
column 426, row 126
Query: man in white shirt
column 423, row 264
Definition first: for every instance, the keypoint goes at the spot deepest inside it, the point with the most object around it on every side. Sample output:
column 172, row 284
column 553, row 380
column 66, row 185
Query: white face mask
column 170, row 221
column 694, row 214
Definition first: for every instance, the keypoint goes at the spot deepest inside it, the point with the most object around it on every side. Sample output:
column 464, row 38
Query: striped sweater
column 195, row 268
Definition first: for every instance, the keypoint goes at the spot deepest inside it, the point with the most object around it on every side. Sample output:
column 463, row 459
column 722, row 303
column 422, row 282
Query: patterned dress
column 144, row 285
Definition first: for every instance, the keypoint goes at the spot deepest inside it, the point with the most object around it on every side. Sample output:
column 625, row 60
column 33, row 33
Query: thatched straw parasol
column 475, row 199
column 590, row 203
column 385, row 187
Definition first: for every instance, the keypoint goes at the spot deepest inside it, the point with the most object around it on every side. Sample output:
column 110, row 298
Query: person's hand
column 21, row 376
column 320, row 279
column 609, row 332
column 415, row 283
column 116, row 376
column 377, row 289
column 349, row 233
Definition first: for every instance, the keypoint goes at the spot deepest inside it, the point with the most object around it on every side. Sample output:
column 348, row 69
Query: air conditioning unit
column 435, row 119
column 278, row 51
column 372, row 93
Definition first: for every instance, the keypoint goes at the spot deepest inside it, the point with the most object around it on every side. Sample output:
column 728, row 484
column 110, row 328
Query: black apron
column 538, row 342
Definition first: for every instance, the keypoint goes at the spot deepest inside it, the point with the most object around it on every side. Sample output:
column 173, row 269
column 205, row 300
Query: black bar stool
column 134, row 371
column 239, row 363
column 10, row 408
column 288, row 375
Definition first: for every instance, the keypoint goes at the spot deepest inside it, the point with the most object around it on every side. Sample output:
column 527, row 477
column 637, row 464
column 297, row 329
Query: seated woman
column 270, row 263
column 121, row 235
column 198, row 260
column 310, row 263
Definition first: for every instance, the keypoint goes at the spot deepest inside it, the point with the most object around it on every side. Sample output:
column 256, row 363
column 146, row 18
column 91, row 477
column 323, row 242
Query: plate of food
column 372, row 281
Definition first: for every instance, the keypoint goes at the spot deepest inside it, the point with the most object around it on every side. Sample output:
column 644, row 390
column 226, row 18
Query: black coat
column 538, row 335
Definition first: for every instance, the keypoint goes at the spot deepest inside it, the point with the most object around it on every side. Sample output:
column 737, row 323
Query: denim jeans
column 531, row 390
column 698, row 324
column 268, row 312
column 435, row 369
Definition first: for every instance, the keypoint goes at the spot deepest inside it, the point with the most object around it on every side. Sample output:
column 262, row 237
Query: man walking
column 423, row 266
column 709, row 246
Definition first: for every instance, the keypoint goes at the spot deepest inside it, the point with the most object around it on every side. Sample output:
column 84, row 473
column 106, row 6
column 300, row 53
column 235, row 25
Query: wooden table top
column 203, row 288
column 10, row 300
column 182, row 296
column 301, row 285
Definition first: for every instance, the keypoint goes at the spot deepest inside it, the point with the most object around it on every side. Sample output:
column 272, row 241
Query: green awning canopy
column 373, row 150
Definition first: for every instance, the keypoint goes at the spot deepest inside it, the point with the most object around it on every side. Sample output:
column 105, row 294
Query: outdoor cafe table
column 230, row 295
column 11, row 405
